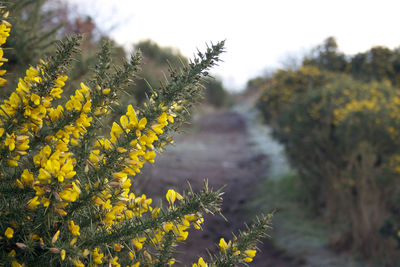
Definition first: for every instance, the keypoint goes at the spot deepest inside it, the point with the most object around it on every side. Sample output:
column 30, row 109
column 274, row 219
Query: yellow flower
column 55, row 237
column 138, row 242
column 10, row 141
column 142, row 123
column 74, row 228
column 200, row 263
column 45, row 201
column 116, row 131
column 33, row 203
column 9, row 233
column 97, row 256
column 70, row 194
column 56, row 92
column 223, row 245
column 172, row 195
column 60, row 82
column 124, row 121
column 133, row 121
column 12, row 163
column 183, row 236
column 44, row 176
column 162, row 119
column 114, row 262
column 247, row 259
column 87, row 107
column 62, row 254
column 19, row 184
column 250, row 253
column 78, row 263
column 35, row 99
column 15, row 264
column 12, row 253
column 73, row 241
column 23, row 146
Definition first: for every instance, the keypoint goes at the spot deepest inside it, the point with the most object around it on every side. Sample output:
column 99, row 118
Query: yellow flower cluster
column 81, row 103
column 54, row 165
column 75, row 189
column 246, row 256
column 5, row 28
column 33, row 109
column 200, row 263
column 356, row 106
column 120, row 212
column 235, row 254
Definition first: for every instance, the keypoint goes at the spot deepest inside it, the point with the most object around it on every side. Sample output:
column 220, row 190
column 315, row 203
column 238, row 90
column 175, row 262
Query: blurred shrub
column 328, row 57
column 285, row 87
column 378, row 63
column 215, row 93
column 342, row 136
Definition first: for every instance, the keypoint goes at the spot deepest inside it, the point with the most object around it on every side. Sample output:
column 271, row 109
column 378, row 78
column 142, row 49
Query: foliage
column 66, row 193
column 378, row 63
column 37, row 24
column 328, row 57
column 158, row 61
column 286, row 86
column 341, row 135
column 31, row 39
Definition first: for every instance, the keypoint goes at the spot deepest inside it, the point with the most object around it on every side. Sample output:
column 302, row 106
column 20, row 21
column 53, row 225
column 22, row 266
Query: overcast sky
column 260, row 35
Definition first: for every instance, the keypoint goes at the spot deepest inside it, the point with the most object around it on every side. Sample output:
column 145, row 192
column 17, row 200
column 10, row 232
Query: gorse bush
column 341, row 135
column 66, row 196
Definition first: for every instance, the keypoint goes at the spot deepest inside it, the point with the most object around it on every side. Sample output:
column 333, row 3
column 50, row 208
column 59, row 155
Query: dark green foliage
column 30, row 37
column 378, row 63
column 328, row 57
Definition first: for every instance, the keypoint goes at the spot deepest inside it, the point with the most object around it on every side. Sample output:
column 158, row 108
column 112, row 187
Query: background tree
column 327, row 57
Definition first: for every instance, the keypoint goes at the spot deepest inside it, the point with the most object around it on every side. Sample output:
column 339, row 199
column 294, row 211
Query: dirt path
column 216, row 147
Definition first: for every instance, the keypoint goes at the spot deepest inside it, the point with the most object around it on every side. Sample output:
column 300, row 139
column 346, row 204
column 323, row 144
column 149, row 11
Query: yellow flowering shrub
column 286, row 86
column 342, row 137
column 66, row 194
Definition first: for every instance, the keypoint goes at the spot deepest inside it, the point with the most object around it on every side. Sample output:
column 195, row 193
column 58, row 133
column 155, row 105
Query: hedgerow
column 342, row 137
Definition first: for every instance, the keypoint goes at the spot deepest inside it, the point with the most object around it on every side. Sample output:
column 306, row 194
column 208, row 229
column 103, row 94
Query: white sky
column 260, row 35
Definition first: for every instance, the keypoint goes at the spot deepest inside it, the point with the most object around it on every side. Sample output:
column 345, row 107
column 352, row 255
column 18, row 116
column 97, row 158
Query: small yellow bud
column 106, row 91
column 62, row 254
column 55, row 237
column 9, row 233
column 223, row 245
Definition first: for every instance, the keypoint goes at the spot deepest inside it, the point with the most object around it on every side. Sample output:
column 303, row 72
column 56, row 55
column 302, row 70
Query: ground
column 216, row 147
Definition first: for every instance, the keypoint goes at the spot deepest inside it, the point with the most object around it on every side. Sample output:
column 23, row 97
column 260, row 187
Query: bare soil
column 216, row 147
